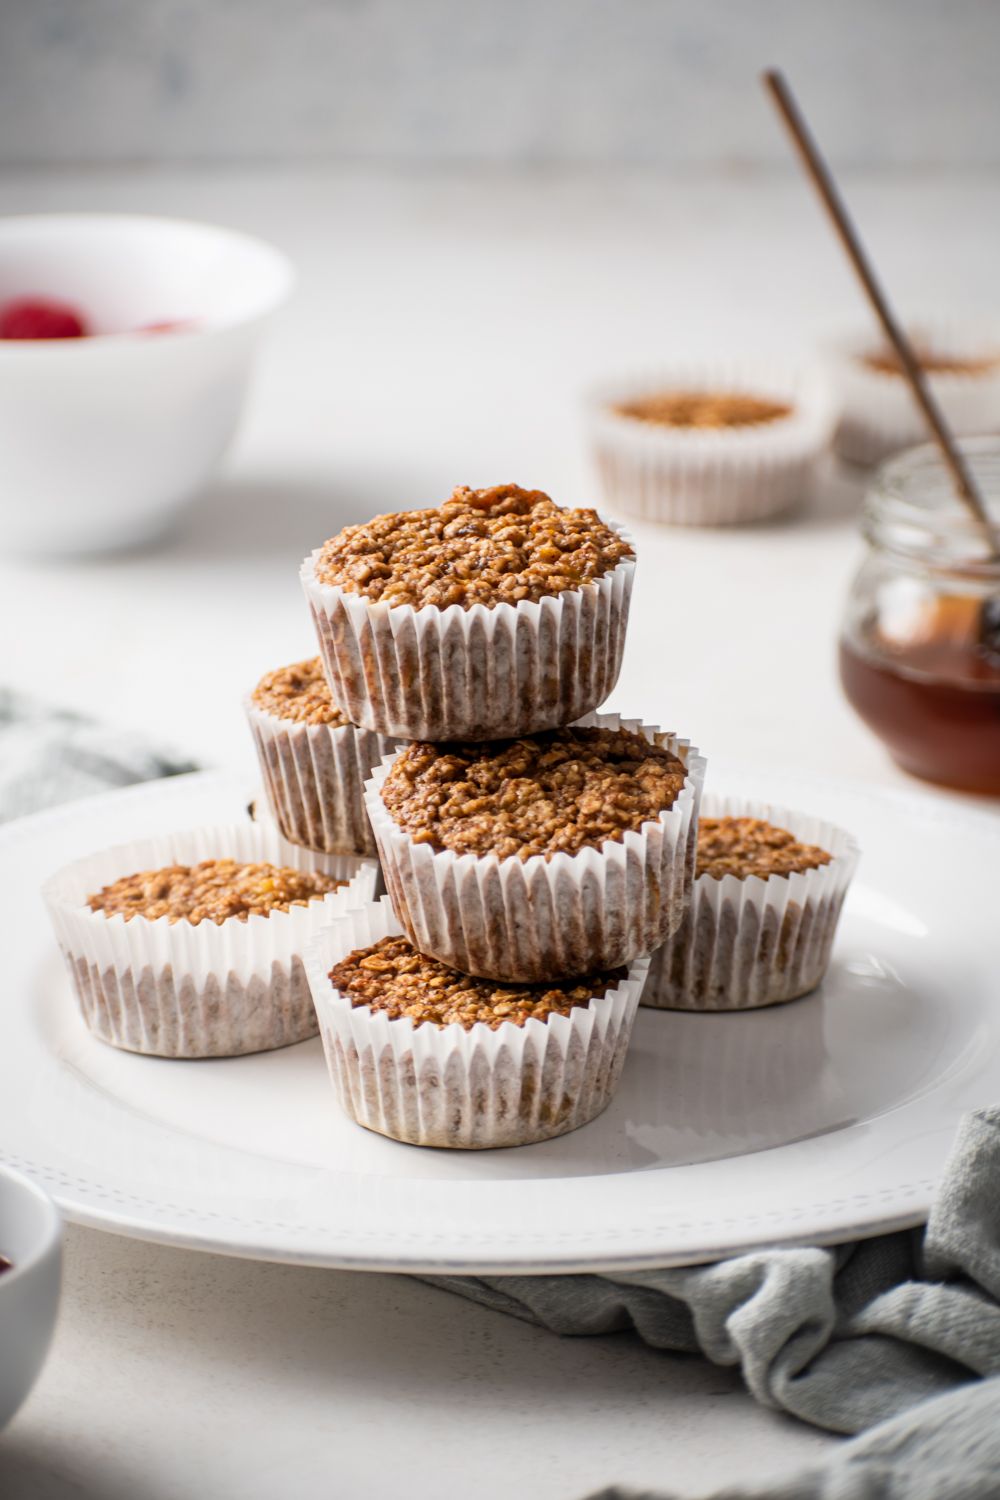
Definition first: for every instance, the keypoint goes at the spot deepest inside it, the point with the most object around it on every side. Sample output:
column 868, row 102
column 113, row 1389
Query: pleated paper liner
column 542, row 919
column 178, row 990
column 314, row 776
column 753, row 942
column 475, row 1088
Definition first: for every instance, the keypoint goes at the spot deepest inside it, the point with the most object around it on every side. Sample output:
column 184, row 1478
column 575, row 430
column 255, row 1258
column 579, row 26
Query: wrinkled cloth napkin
column 50, row 755
column 895, row 1338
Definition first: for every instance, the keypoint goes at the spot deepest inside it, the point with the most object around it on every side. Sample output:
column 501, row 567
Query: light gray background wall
column 888, row 82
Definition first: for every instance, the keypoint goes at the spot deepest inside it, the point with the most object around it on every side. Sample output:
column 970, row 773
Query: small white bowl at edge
column 31, row 1240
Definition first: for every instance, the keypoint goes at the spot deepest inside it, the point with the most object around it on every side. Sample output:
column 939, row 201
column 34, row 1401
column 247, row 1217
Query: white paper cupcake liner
column 464, row 674
column 753, row 942
column 545, row 919
column 314, row 776
column 477, row 1088
column 877, row 413
column 710, row 477
column 177, row 990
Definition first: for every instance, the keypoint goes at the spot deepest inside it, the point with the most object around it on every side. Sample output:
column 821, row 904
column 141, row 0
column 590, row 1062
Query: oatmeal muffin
column 768, row 893
column 495, row 614
column 179, row 951
column 877, row 413
column 712, row 446
column 313, row 760
column 426, row 1055
column 560, row 853
column 213, row 890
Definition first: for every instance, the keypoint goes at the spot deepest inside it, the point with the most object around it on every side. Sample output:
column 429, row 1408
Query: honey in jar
column 920, row 647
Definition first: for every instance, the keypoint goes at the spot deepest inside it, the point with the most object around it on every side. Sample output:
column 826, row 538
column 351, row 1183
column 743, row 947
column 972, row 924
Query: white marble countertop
column 443, row 328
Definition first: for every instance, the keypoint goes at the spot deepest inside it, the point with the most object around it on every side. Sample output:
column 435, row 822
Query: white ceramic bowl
column 105, row 439
column 31, row 1239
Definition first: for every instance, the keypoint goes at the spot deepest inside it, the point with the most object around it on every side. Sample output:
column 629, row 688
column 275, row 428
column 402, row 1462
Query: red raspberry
column 38, row 318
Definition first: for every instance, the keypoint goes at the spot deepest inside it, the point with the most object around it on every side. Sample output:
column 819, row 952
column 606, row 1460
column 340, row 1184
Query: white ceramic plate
column 818, row 1121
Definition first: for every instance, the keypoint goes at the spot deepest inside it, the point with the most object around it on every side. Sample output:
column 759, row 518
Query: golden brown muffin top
column 559, row 791
column 749, row 846
column 212, row 891
column 886, row 362
column 391, row 976
column 298, row 692
column 703, row 409
column 492, row 546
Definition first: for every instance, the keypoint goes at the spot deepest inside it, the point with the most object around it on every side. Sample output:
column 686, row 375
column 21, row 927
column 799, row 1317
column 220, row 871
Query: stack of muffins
column 544, row 862
column 535, row 852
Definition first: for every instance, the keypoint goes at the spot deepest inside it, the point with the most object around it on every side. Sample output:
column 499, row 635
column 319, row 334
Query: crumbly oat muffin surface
column 886, row 362
column 750, row 846
column 212, row 891
column 492, row 546
column 298, row 692
column 560, row 791
column 703, row 409
column 391, row 976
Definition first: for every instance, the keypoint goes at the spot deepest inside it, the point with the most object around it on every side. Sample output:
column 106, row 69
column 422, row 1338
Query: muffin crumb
column 751, row 846
column 489, row 546
column 709, row 409
column 213, row 891
column 298, row 692
column 392, row 977
column 554, row 792
column 886, row 362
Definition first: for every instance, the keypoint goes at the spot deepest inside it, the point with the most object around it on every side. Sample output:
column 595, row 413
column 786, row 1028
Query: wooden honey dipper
column 965, row 484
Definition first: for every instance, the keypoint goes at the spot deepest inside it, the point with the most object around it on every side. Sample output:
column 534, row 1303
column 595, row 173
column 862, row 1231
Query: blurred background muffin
column 717, row 444
column 877, row 414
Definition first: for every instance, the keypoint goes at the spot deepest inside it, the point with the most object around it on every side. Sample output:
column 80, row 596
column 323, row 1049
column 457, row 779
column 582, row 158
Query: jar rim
column 911, row 506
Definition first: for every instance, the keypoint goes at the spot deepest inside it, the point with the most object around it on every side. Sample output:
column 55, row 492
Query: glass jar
column 920, row 645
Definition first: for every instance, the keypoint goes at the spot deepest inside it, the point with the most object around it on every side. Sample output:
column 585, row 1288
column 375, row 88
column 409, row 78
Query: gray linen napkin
column 896, row 1338
column 50, row 755
column 899, row 1334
